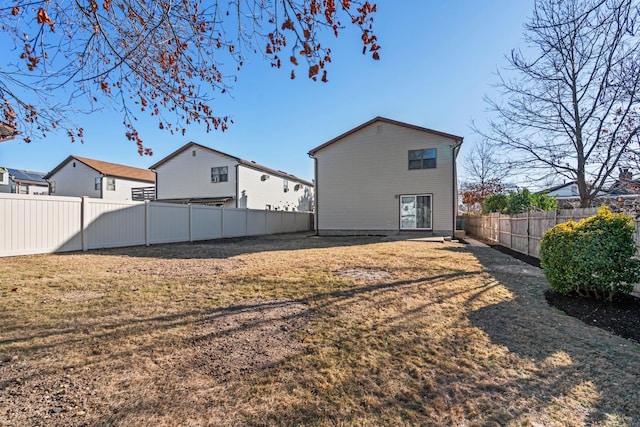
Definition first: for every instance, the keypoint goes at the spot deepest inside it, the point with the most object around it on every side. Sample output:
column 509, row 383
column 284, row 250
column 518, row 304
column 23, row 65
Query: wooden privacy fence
column 523, row 232
column 45, row 224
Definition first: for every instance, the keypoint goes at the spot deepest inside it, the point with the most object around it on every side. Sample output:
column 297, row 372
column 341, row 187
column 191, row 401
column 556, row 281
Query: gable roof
column 27, row 177
column 556, row 187
column 247, row 163
column 109, row 169
column 456, row 138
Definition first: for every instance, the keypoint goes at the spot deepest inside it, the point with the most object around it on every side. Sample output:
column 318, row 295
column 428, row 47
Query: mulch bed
column 620, row 316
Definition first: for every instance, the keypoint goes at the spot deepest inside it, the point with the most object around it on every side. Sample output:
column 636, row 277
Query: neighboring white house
column 79, row 176
column 384, row 177
column 568, row 190
column 20, row 181
column 198, row 174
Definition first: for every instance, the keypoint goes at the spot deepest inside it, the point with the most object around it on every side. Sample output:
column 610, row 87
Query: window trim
column 425, row 162
column 111, row 184
column 219, row 174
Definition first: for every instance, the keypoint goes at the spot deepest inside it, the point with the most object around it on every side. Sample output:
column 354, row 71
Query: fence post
column 528, row 232
column 84, row 223
column 246, row 221
column 190, row 223
column 221, row 221
column 147, row 215
column 510, row 231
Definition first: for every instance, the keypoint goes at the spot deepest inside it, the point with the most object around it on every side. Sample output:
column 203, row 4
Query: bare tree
column 483, row 164
column 572, row 109
column 485, row 172
column 168, row 58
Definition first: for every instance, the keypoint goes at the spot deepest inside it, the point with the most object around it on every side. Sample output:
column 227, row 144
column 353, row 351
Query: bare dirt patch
column 249, row 336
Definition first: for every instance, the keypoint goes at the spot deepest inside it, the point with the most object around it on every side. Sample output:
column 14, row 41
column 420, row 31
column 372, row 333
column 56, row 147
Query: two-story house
column 201, row 175
column 79, row 176
column 385, row 177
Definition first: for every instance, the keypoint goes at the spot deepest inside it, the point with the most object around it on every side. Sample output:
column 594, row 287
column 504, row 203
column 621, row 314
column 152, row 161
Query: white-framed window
column 220, row 174
column 285, row 185
column 97, row 183
column 422, row 159
column 24, row 189
column 416, row 212
column 111, row 184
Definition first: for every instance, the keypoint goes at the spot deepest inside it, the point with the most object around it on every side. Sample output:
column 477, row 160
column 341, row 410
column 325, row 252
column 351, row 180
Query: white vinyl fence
column 45, row 224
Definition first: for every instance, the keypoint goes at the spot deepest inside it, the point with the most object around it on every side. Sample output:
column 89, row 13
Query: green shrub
column 517, row 202
column 592, row 257
column 494, row 203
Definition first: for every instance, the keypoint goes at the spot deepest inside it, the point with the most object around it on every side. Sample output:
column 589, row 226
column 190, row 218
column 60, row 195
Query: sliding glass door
column 415, row 212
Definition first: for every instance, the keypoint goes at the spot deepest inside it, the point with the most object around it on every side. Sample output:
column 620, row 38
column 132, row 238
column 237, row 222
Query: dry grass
column 356, row 331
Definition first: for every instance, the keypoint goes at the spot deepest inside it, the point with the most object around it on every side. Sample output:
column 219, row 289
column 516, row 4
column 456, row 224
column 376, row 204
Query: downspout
column 456, row 150
column 315, row 193
column 237, row 183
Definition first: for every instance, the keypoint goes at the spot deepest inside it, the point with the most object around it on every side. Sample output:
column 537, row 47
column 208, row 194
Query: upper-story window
column 52, row 187
column 422, row 159
column 285, row 185
column 97, row 183
column 219, row 174
column 111, row 184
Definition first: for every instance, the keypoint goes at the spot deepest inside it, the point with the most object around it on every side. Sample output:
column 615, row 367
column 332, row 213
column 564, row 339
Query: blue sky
column 438, row 60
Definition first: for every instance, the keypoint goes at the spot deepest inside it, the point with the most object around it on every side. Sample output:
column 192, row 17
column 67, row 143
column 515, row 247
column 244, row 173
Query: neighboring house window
column 422, row 159
column 13, row 188
column 52, row 187
column 111, row 184
column 1, row 177
column 219, row 174
column 24, row 189
column 268, row 207
column 97, row 183
column 285, row 185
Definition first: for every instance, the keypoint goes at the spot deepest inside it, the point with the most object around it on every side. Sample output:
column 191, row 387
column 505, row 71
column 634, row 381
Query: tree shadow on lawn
column 570, row 356
column 230, row 247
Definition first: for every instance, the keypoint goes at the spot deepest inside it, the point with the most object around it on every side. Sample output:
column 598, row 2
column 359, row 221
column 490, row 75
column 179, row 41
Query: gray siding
column 361, row 177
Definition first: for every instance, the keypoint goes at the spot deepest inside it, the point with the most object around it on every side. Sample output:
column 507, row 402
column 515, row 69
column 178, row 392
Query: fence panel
column 235, row 222
column 206, row 222
column 112, row 224
column 168, row 223
column 39, row 224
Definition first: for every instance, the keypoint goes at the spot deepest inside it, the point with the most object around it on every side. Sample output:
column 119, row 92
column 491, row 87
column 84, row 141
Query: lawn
column 301, row 330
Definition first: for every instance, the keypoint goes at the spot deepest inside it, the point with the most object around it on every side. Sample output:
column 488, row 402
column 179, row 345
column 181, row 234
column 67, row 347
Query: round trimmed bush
column 591, row 257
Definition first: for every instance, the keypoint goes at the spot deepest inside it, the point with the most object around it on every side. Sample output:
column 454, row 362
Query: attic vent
column 193, row 153
column 74, row 164
column 379, row 129
column 264, row 177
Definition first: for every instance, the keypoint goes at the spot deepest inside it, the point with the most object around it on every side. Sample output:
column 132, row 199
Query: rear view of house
column 79, row 176
column 385, row 177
